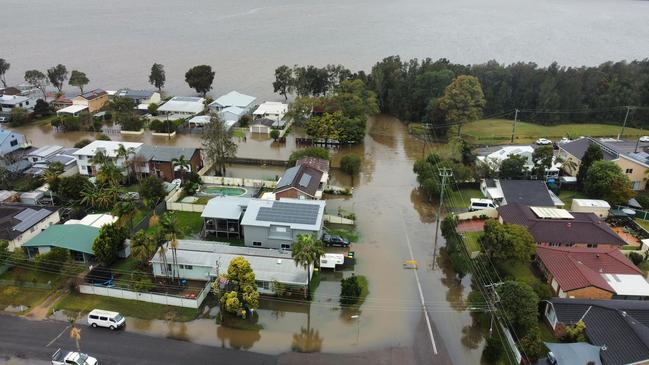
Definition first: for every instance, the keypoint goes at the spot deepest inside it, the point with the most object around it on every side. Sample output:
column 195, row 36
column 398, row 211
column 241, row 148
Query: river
column 116, row 42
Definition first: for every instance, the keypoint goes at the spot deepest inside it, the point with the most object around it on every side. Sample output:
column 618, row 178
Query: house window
column 286, row 246
column 592, row 245
column 256, row 243
column 169, row 267
column 14, row 142
column 281, row 229
column 186, row 267
column 262, row 284
column 629, row 171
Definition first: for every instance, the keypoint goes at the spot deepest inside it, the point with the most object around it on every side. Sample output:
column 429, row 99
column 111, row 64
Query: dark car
column 337, row 241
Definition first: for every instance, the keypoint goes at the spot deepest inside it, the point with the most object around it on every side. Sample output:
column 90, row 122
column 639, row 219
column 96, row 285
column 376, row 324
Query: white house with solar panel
column 263, row 223
column 19, row 224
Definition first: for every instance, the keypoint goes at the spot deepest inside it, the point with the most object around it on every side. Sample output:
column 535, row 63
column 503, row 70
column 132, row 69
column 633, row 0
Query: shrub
column 636, row 258
column 245, row 120
column 350, row 290
column 102, row 137
column 318, row 152
column 131, row 123
column 10, row 292
column 82, row 143
column 643, row 200
column 274, row 134
column 53, row 260
column 493, row 350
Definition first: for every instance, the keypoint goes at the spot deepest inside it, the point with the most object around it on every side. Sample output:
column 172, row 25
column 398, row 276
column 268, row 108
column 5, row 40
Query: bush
column 493, row 350
column 318, row 152
column 82, row 143
column 643, row 200
column 131, row 123
column 636, row 258
column 53, row 260
column 166, row 126
column 245, row 120
column 141, row 282
column 102, row 137
column 350, row 290
column 274, row 134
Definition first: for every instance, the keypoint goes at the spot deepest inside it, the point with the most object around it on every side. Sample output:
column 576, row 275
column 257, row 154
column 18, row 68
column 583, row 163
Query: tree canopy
column 218, row 144
column 241, row 294
column 593, row 153
column 152, row 190
column 519, row 304
column 605, row 180
column 109, row 242
column 463, row 100
column 283, row 83
column 507, row 242
column 513, row 168
column 78, row 79
column 38, row 80
column 542, row 158
column 4, row 67
column 200, row 78
column 57, row 76
column 157, row 76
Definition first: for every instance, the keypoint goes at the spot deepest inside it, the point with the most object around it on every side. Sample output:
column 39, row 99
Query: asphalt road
column 24, row 341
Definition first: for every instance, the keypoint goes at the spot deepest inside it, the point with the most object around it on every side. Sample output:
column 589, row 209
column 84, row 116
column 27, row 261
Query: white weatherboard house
column 205, row 260
column 233, row 99
column 180, row 107
column 272, row 110
column 43, row 153
column 10, row 141
column 108, row 148
column 20, row 223
column 9, row 102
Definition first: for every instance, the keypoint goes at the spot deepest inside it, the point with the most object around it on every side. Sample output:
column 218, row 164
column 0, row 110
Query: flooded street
column 391, row 220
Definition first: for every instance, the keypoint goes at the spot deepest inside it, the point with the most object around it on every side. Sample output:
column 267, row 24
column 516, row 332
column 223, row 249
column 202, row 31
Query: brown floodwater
column 391, row 214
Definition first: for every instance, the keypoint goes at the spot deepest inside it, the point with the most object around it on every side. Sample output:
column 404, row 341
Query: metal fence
column 157, row 298
column 144, row 223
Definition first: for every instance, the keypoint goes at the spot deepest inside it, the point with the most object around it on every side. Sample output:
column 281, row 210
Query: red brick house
column 160, row 160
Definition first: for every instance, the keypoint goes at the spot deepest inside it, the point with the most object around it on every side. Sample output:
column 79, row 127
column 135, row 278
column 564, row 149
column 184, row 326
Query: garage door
column 259, row 129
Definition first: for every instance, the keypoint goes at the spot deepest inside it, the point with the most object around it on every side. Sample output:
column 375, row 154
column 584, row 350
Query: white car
column 543, row 141
column 644, row 139
column 564, row 140
column 107, row 319
column 72, row 358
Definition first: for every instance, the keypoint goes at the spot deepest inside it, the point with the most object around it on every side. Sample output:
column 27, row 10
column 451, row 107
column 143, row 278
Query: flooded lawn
column 394, row 225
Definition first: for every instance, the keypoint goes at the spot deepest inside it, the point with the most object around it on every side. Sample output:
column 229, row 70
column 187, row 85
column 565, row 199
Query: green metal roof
column 77, row 237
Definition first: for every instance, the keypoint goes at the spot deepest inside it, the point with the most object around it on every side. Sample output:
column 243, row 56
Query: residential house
column 222, row 217
column 160, row 160
column 43, row 153
column 58, row 102
column 181, row 107
column 64, row 156
column 10, row 141
column 264, row 125
column 493, row 157
column 73, row 110
column 76, row 238
column 93, row 100
column 619, row 327
column 591, row 273
column 527, row 192
column 10, row 91
column 301, row 181
column 20, row 223
column 233, row 98
column 200, row 121
column 205, row 261
column 631, row 156
column 141, row 98
column 318, row 164
column 9, row 102
column 560, row 228
column 574, row 353
column 272, row 110
column 108, row 148
column 277, row 224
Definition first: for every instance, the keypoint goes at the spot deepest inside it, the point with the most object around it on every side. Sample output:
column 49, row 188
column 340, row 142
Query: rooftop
column 604, row 268
column 5, row 134
column 225, row 207
column 593, row 203
column 12, row 99
column 298, row 214
column 108, row 147
column 584, row 228
column 314, row 162
column 234, row 98
column 528, row 192
column 271, row 107
column 72, row 109
column 93, row 94
column 268, row 265
column 183, row 104
column 46, row 151
column 76, row 237
column 263, row 121
column 301, row 177
column 16, row 219
column 166, row 154
column 134, row 94
column 620, row 326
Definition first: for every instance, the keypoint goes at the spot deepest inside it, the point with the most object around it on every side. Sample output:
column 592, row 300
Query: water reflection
column 307, row 340
column 426, row 210
column 237, row 339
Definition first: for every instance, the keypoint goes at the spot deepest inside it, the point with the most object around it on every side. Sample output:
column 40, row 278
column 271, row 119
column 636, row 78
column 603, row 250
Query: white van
column 479, row 204
column 107, row 319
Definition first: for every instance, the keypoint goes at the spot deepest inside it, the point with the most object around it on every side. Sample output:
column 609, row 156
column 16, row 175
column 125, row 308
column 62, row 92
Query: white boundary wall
column 146, row 297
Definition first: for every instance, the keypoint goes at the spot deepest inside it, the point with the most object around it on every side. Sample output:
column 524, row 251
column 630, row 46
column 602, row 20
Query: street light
column 357, row 317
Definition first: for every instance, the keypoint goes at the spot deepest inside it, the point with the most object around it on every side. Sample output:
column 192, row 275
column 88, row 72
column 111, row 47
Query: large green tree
column 38, row 80
column 513, row 168
column 241, row 294
column 455, row 247
column 351, row 165
column 151, row 190
column 4, row 67
column 200, row 78
column 519, row 304
column 57, row 76
column 507, row 242
column 157, row 77
column 78, row 79
column 605, row 180
column 283, row 83
column 542, row 158
column 306, row 251
column 109, row 242
column 218, row 144
column 593, row 153
column 463, row 101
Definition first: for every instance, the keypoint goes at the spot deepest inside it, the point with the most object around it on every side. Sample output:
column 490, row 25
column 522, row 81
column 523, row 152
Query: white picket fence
column 147, row 297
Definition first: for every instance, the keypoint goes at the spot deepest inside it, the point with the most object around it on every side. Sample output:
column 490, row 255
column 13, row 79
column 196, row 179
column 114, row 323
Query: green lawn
column 520, row 272
column 190, row 223
column 497, row 131
column 567, row 196
column 471, row 241
column 643, row 223
column 461, row 199
column 84, row 303
column 343, row 230
column 18, row 295
column 128, row 264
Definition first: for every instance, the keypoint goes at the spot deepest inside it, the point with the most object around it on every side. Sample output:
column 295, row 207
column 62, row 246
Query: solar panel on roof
column 25, row 214
column 289, row 213
column 304, row 181
column 288, row 177
column 31, row 220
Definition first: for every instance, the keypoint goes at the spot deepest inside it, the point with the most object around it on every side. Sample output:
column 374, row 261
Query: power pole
column 628, row 109
column 444, row 172
column 514, row 127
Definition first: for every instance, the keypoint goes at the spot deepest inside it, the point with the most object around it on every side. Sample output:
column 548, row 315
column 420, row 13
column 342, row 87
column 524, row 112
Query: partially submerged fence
column 157, row 298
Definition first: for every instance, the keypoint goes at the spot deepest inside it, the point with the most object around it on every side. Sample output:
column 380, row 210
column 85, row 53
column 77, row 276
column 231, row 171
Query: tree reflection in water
column 307, row 340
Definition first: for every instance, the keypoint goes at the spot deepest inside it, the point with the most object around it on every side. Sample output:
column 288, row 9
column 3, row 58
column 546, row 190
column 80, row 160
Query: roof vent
column 279, row 261
column 623, row 313
column 597, row 255
column 569, row 225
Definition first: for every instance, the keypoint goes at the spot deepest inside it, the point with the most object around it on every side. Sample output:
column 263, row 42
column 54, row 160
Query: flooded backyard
column 394, row 225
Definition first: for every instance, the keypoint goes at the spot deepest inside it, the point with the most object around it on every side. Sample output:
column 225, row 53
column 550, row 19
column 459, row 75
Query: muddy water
column 392, row 219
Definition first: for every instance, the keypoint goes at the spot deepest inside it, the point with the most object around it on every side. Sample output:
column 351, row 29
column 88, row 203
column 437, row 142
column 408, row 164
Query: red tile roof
column 316, row 163
column 585, row 228
column 575, row 268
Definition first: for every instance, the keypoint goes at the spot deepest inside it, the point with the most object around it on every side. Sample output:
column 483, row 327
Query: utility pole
column 514, row 127
column 628, row 109
column 637, row 141
column 444, row 173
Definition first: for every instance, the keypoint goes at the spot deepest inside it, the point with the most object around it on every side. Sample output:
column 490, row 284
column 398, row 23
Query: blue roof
column 234, row 98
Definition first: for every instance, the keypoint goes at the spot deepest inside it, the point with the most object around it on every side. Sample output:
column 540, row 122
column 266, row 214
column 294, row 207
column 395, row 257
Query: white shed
column 598, row 207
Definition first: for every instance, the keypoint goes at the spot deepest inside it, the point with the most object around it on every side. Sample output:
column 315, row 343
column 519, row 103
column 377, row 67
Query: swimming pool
column 223, row 190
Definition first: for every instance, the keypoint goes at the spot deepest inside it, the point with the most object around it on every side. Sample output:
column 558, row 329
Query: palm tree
column 125, row 209
column 90, row 195
column 51, row 174
column 110, row 173
column 99, row 159
column 124, row 153
column 75, row 334
column 182, row 164
column 570, row 166
column 142, row 247
column 306, row 251
column 163, row 258
column 170, row 227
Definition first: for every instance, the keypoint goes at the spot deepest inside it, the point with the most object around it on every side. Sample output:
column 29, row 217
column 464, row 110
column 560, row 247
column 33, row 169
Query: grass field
column 498, row 131
column 29, row 296
column 567, row 196
column 471, row 241
column 461, row 199
column 84, row 303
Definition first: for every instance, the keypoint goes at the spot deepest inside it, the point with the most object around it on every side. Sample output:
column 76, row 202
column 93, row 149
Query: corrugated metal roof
column 75, row 237
column 289, row 211
column 234, row 98
column 30, row 217
column 283, row 212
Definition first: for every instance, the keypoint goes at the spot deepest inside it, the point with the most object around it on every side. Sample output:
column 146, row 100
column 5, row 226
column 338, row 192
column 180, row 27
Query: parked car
column 564, row 140
column 552, row 360
column 479, row 204
column 337, row 241
column 543, row 142
column 72, row 358
column 644, row 139
column 106, row 319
